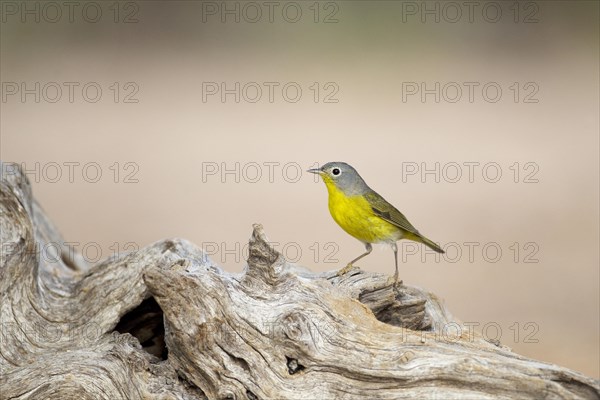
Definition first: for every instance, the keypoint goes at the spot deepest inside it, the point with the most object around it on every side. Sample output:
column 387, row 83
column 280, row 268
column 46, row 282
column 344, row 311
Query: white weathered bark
column 275, row 331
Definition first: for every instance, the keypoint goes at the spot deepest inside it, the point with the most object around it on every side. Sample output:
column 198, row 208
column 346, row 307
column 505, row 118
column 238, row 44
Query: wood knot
column 305, row 328
column 295, row 326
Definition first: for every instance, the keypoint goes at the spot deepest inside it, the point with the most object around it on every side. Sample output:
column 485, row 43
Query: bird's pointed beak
column 314, row 171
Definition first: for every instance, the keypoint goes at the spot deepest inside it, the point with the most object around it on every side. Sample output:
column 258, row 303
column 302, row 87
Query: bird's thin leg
column 349, row 266
column 395, row 248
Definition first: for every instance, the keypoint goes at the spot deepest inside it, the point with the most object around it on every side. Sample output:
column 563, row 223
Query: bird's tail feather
column 432, row 245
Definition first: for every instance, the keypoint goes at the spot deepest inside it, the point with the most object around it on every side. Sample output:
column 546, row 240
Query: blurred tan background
column 162, row 158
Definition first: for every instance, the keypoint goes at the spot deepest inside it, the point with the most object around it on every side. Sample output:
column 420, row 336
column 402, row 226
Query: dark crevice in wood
column 145, row 322
column 293, row 365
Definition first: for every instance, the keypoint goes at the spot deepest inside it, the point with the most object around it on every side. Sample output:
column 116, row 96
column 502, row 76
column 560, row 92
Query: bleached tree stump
column 166, row 322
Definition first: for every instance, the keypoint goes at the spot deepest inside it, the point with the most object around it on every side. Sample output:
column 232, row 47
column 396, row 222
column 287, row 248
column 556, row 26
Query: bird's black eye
column 336, row 171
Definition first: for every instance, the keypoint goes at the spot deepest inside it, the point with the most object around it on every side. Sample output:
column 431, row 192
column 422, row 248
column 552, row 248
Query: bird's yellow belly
column 354, row 215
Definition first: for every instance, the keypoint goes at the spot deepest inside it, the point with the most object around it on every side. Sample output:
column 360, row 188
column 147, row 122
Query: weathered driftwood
column 166, row 322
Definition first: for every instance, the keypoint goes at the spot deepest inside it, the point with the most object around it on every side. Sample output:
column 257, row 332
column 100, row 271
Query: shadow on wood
column 166, row 322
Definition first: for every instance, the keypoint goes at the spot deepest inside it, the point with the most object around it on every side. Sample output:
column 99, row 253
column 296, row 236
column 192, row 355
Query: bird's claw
column 396, row 286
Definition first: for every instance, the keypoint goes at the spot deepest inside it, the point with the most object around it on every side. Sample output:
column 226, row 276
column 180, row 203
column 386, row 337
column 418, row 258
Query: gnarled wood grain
column 275, row 331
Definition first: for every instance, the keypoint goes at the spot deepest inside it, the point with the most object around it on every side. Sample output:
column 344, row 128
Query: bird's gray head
column 343, row 176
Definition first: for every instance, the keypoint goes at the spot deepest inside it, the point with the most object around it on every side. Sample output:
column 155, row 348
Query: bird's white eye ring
column 336, row 171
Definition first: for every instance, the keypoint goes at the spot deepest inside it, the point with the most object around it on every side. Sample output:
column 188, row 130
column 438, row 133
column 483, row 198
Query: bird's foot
column 346, row 269
column 397, row 283
column 396, row 286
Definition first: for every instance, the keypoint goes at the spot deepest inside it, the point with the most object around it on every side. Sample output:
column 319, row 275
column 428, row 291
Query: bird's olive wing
column 389, row 213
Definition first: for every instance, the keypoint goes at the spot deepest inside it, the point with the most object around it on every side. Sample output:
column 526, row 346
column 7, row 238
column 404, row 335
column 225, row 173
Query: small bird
column 364, row 214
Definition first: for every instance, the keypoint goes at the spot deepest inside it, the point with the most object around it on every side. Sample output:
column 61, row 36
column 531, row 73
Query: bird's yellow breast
column 355, row 215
